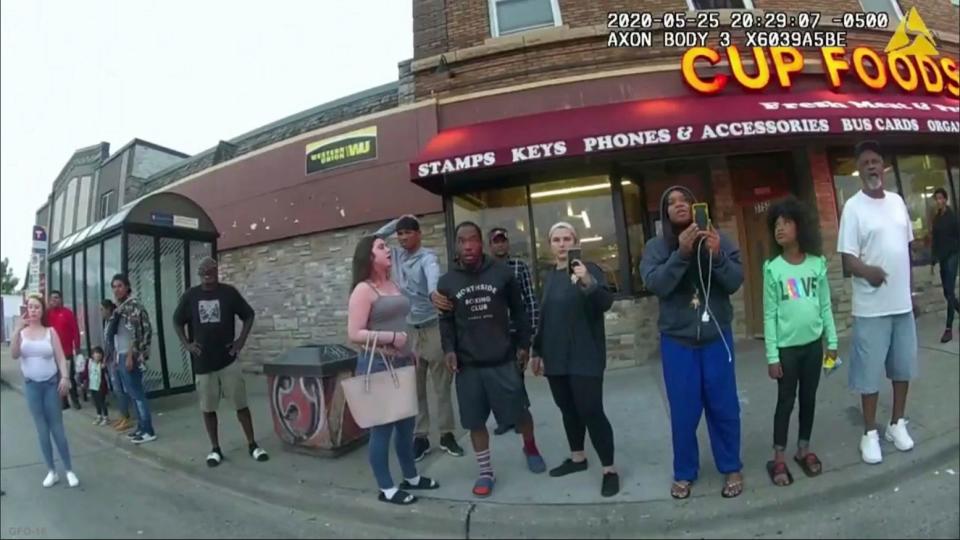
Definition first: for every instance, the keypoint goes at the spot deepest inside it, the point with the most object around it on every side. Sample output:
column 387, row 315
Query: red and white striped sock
column 483, row 460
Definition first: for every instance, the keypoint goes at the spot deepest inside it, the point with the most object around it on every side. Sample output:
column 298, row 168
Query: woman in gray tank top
column 378, row 310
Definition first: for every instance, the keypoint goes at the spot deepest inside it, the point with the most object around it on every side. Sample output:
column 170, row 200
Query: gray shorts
column 882, row 343
column 482, row 390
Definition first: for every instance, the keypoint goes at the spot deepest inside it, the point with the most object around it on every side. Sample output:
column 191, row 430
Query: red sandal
column 807, row 462
column 779, row 468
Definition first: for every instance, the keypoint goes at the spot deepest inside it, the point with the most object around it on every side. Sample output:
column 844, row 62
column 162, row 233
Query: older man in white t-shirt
column 875, row 236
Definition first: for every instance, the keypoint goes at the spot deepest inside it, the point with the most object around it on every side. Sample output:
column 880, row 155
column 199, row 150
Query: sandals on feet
column 214, row 458
column 779, row 469
column 808, row 462
column 680, row 489
column 259, row 454
column 425, row 483
column 401, row 498
column 732, row 488
column 483, row 487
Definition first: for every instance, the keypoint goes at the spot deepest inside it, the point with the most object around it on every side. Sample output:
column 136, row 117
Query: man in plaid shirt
column 500, row 248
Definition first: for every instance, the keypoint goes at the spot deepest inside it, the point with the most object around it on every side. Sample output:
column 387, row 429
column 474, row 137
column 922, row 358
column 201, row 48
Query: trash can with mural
column 307, row 403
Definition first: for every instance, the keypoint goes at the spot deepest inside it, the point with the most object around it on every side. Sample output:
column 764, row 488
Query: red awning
column 640, row 124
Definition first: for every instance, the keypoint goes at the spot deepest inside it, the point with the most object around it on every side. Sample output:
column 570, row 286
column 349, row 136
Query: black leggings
column 580, row 400
column 801, row 366
column 100, row 400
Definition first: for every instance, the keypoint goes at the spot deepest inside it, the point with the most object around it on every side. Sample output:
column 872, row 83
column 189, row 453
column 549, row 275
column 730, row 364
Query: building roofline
column 339, row 102
column 140, row 142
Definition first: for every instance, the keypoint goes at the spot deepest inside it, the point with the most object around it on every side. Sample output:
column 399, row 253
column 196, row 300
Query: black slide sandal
column 425, row 483
column 401, row 498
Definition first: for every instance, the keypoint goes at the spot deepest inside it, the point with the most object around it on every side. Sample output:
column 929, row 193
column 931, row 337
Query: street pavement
column 913, row 495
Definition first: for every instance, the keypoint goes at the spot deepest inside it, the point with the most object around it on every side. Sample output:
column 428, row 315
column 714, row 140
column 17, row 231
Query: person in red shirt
column 64, row 322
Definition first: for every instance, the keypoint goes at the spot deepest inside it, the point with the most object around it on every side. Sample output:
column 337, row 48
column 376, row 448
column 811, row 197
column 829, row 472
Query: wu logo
column 912, row 37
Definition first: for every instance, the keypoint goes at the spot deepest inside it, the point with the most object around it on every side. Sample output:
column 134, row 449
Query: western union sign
column 344, row 149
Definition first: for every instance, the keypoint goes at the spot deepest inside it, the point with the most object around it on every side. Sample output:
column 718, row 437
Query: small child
column 797, row 315
column 96, row 376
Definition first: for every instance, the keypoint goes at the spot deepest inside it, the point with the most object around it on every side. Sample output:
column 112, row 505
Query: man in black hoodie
column 478, row 347
column 693, row 272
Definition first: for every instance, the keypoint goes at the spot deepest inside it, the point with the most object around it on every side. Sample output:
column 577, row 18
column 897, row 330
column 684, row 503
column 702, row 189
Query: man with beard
column 874, row 241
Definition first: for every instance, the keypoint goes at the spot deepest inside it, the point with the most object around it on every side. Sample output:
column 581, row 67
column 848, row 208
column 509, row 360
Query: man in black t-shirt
column 209, row 312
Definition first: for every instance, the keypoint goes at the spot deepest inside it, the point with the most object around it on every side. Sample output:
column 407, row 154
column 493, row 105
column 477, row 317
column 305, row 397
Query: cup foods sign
column 344, row 149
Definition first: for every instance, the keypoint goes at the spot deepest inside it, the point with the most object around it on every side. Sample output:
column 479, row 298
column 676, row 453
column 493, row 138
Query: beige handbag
column 384, row 397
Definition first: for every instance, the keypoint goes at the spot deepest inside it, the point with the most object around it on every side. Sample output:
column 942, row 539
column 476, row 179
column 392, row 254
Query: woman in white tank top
column 46, row 381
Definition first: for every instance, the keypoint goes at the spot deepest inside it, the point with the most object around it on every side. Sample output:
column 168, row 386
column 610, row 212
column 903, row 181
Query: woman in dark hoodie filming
column 693, row 272
column 570, row 349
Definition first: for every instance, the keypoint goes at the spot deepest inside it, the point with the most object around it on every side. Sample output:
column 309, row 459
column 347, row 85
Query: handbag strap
column 372, row 350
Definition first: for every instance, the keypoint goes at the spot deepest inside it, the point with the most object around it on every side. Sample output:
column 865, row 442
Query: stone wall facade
column 299, row 287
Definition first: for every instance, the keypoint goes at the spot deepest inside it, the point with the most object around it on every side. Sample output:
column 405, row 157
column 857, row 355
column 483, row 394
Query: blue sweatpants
column 697, row 380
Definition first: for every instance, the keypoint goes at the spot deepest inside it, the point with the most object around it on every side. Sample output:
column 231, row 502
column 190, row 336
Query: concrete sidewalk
column 637, row 408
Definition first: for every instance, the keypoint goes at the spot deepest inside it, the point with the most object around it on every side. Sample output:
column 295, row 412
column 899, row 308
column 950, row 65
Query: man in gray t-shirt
column 416, row 271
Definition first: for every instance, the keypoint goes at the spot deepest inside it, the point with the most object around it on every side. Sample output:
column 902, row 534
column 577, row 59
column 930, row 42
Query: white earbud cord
column 707, row 312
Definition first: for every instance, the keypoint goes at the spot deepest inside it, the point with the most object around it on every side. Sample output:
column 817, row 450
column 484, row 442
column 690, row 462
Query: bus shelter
column 157, row 241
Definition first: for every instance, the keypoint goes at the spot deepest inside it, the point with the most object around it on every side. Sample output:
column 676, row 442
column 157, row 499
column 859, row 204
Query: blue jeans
column 698, row 380
column 948, row 278
column 123, row 400
column 133, row 383
column 380, row 436
column 43, row 400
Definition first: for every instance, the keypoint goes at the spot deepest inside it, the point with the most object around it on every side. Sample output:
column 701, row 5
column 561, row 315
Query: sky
column 181, row 74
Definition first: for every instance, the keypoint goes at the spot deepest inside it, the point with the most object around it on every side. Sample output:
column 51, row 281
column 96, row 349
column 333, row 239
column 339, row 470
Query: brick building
column 474, row 119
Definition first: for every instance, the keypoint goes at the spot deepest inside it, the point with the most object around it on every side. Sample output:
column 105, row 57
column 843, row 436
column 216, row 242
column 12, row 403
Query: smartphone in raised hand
column 573, row 255
column 701, row 216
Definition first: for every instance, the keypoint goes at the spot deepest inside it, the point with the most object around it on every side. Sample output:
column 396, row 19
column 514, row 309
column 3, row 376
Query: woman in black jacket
column 570, row 349
column 946, row 251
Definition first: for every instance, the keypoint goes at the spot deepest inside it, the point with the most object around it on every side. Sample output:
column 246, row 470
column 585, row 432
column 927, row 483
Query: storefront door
column 755, row 250
column 758, row 181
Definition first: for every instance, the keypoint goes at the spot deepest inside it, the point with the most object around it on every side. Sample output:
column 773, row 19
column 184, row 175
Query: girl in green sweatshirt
column 796, row 317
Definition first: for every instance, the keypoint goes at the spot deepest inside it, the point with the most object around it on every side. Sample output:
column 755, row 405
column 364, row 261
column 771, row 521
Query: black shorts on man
column 490, row 388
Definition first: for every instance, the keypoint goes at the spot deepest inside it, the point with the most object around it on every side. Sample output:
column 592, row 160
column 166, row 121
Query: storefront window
column 920, row 176
column 505, row 208
column 846, row 180
column 80, row 304
column 53, row 281
column 67, row 281
column 635, row 214
column 111, row 263
column 587, row 204
column 94, row 296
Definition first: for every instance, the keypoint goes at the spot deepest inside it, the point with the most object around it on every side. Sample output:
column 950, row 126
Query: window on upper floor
column 70, row 208
column 890, row 7
column 83, row 202
column 720, row 4
column 107, row 200
column 514, row 16
column 56, row 233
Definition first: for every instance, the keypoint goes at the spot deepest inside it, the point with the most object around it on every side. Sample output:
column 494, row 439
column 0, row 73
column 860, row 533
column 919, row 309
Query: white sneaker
column 72, row 479
column 98, row 421
column 870, row 448
column 897, row 434
column 51, row 479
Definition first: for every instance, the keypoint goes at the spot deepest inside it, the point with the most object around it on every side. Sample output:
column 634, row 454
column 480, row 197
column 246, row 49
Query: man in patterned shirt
column 500, row 248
